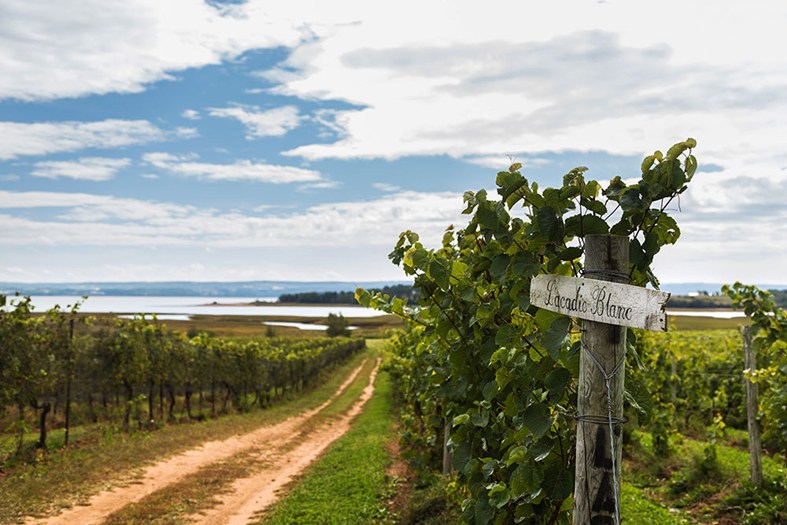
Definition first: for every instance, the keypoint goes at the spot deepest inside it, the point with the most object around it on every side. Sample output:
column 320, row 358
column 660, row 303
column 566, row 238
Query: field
column 338, row 455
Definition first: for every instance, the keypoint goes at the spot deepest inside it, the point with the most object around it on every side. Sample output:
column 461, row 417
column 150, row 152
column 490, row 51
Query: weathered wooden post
column 607, row 306
column 755, row 444
column 602, row 366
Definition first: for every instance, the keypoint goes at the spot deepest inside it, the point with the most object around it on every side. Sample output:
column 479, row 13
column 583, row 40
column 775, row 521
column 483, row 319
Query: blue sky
column 184, row 140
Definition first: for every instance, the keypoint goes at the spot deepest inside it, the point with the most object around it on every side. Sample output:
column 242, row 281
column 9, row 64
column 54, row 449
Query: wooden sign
column 601, row 301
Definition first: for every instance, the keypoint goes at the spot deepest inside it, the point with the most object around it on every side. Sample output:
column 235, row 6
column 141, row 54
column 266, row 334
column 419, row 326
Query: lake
column 181, row 307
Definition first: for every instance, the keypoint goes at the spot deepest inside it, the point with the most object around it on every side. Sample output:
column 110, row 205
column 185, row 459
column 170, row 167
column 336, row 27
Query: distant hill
column 709, row 288
column 253, row 289
column 404, row 291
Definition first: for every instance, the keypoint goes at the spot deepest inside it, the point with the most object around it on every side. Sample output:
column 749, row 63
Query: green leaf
column 630, row 199
column 461, row 419
column 545, row 318
column 483, row 512
column 458, row 270
column 556, row 381
column 595, row 206
column 499, row 495
column 524, row 265
column 516, row 455
column 558, row 483
column 581, row 225
column 638, row 396
column 676, row 150
column 647, row 163
column 536, row 417
column 541, row 449
column 524, row 511
column 555, row 337
column 525, row 480
column 549, row 223
column 440, row 271
column 487, row 216
column 508, row 336
column 615, row 188
column 691, row 167
column 570, row 254
column 499, row 266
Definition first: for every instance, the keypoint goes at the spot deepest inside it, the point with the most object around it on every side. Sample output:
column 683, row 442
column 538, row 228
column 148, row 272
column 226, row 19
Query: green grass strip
column 637, row 508
column 733, row 462
column 347, row 485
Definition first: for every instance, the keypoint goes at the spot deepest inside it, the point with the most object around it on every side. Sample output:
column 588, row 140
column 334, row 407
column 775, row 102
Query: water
column 302, row 326
column 188, row 306
column 181, row 308
column 718, row 314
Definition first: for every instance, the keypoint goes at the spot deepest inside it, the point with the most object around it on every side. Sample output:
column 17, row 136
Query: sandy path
column 256, row 493
column 172, row 470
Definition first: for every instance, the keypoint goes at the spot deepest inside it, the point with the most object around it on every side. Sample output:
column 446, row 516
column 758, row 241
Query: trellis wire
column 611, row 421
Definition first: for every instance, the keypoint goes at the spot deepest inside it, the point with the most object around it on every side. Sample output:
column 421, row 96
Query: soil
column 403, row 477
column 285, row 449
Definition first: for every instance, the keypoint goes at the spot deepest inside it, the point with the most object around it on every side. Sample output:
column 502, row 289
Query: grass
column 63, row 477
column 637, row 508
column 348, row 485
column 252, row 326
column 704, row 491
column 684, row 322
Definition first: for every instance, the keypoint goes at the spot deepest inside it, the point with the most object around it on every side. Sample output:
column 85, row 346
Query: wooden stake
column 597, row 481
column 755, row 444
column 447, row 457
column 69, row 374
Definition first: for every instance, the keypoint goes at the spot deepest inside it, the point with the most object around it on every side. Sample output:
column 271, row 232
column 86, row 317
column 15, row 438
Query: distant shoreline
column 276, row 303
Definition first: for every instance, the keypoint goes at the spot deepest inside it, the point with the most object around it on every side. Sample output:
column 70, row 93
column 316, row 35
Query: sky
column 143, row 140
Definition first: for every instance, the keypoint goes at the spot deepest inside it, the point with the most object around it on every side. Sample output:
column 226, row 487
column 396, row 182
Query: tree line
column 403, row 291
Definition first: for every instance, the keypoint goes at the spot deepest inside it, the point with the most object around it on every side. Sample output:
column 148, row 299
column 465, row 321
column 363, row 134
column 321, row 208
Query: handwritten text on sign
column 601, row 301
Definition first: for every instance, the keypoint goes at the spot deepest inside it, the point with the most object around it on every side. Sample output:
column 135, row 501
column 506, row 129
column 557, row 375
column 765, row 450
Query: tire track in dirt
column 169, row 471
column 251, row 495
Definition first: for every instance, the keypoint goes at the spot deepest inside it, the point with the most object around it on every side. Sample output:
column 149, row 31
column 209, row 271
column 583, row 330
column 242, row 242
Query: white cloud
column 191, row 114
column 42, row 138
column 460, row 81
column 70, row 49
column 186, row 133
column 239, row 170
column 86, row 168
column 98, row 220
column 322, row 185
column 580, row 76
column 271, row 123
column 384, row 186
column 503, row 162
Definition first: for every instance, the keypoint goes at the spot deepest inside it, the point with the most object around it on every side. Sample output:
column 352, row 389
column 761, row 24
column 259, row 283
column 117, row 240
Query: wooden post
column 69, row 374
column 447, row 459
column 600, row 394
column 755, row 445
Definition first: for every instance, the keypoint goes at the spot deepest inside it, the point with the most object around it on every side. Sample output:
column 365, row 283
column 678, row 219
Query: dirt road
column 284, row 450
